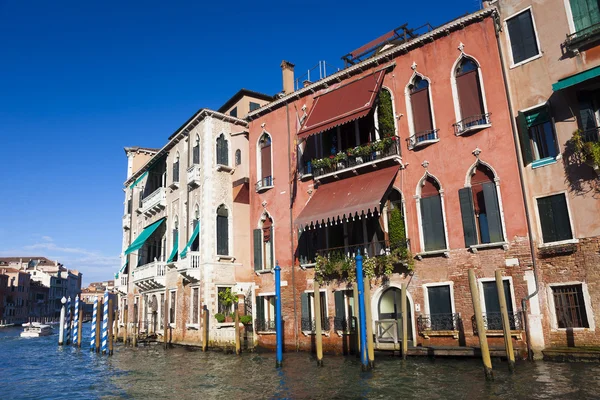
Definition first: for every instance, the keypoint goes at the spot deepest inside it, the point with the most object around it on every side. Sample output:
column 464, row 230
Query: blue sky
column 80, row 80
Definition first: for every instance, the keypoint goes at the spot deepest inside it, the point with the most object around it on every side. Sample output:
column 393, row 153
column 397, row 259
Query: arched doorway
column 390, row 308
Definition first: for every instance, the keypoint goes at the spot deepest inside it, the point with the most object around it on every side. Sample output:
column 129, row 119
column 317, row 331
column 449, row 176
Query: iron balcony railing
column 347, row 161
column 438, row 322
column 309, row 325
column 582, row 37
column 370, row 249
column 264, row 183
column 471, row 123
column 591, row 135
column 344, row 324
column 263, row 325
column 423, row 138
column 493, row 321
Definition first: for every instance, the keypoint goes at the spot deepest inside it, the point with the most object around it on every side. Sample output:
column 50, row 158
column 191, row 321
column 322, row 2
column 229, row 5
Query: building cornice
column 385, row 56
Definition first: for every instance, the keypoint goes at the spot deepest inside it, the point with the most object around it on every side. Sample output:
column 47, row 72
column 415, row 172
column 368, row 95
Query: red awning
column 346, row 103
column 347, row 197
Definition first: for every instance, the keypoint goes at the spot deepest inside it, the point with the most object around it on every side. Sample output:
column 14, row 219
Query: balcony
column 262, row 325
column 438, row 325
column 154, row 202
column 493, row 323
column 472, row 124
column 350, row 160
column 121, row 284
column 264, row 184
column 193, row 176
column 150, row 276
column 424, row 138
column 126, row 221
column 370, row 249
column 309, row 325
column 189, row 267
column 583, row 38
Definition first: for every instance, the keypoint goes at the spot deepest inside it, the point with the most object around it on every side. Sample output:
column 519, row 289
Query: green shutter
column 562, row 224
column 492, row 208
column 305, row 308
column 260, row 307
column 465, row 197
column 524, row 139
column 546, row 219
column 585, row 13
column 433, row 223
column 340, row 307
column 257, row 235
column 272, row 249
column 426, row 224
column 222, row 235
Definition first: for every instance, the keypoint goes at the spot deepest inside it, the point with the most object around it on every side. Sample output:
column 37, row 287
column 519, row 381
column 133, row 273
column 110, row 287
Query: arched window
column 432, row 218
column 422, row 117
column 222, row 150
column 480, row 208
column 222, row 231
column 470, row 108
column 196, row 243
column 238, row 157
column 264, row 161
column 176, row 169
column 264, row 258
column 196, row 151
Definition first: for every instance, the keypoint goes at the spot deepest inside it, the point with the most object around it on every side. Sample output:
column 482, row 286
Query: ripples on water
column 40, row 369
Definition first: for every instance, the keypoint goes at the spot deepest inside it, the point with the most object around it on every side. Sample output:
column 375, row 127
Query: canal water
column 40, row 369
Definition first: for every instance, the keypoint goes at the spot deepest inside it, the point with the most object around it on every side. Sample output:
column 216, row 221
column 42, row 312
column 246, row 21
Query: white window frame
column 556, row 143
column 191, row 323
column 417, row 198
column 587, row 304
column 456, row 100
column 263, row 217
column 480, row 282
column 223, row 286
column 539, row 221
column 426, row 287
column 259, row 160
column 311, row 306
column 537, row 38
column 409, row 113
column 569, row 14
column 229, row 234
column 262, row 297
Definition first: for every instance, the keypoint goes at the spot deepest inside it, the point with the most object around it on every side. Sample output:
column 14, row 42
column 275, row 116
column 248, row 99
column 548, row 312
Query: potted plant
column 588, row 151
column 246, row 319
column 220, row 317
column 227, row 298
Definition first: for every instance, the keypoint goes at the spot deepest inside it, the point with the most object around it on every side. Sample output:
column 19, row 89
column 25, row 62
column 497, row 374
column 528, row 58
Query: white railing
column 155, row 200
column 126, row 221
column 124, row 279
column 190, row 266
column 193, row 175
column 151, row 275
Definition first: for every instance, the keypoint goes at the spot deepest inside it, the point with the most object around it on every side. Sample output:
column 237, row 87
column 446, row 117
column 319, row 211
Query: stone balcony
column 150, row 276
column 193, row 176
column 154, row 202
column 126, row 221
column 121, row 283
column 189, row 267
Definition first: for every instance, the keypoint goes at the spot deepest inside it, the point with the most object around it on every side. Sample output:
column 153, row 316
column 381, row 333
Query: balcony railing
column 154, row 202
column 309, row 325
column 352, row 159
column 472, row 124
column 344, row 324
column 190, row 266
column 262, row 325
column 583, row 37
column 438, row 322
column 370, row 249
column 150, row 276
column 591, row 135
column 193, row 175
column 493, row 322
column 423, row 138
column 264, row 184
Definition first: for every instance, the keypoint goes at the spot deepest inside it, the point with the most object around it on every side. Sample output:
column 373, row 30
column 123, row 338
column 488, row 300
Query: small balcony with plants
column 586, row 147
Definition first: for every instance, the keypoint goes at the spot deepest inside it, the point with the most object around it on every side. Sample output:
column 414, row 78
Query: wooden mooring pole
column 510, row 354
column 318, row 326
column 98, row 325
column 369, row 321
column 481, row 330
column 166, row 319
column 79, row 325
column 110, row 327
column 125, row 322
column 205, row 328
column 238, row 342
column 404, row 321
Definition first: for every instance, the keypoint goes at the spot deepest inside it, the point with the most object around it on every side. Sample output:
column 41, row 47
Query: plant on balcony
column 589, row 152
column 385, row 114
column 339, row 157
column 220, row 317
column 325, row 163
column 397, row 232
column 339, row 267
column 246, row 319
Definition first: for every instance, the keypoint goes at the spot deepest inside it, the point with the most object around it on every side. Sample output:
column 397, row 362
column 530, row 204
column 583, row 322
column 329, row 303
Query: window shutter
column 272, row 250
column 524, row 139
column 586, row 111
column 421, row 110
column 522, row 37
column 433, row 223
column 305, row 308
column 469, row 94
column 257, row 234
column 547, row 219
column 560, row 213
column 225, row 155
column 265, row 162
column 439, row 300
column 222, row 236
column 468, row 216
column 492, row 208
column 196, row 155
column 340, row 307
column 260, row 308
column 585, row 13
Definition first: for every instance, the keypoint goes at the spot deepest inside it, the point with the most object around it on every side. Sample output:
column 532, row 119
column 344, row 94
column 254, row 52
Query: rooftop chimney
column 287, row 70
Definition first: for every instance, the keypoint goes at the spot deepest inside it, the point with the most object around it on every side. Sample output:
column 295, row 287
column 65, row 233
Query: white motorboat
column 35, row 329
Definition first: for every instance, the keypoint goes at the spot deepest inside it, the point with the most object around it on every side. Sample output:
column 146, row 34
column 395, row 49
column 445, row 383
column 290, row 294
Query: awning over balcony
column 346, row 103
column 138, row 180
column 175, row 249
column 347, row 197
column 142, row 237
column 576, row 79
column 194, row 236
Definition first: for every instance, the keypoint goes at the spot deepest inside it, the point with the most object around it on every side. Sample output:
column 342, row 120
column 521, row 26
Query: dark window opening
column 523, row 41
column 569, row 306
column 554, row 218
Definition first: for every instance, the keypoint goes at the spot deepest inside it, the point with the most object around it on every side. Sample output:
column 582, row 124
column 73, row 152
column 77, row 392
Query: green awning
column 138, row 180
column 577, row 78
column 194, row 236
column 142, row 237
column 175, row 249
column 122, row 269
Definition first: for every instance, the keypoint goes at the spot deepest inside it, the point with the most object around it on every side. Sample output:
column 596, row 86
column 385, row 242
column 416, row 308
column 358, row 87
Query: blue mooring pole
column 279, row 361
column 362, row 315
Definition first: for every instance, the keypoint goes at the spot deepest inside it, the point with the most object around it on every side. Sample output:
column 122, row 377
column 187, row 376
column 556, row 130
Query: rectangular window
column 523, row 40
column 554, row 218
column 223, row 308
column 569, row 306
column 538, row 140
column 265, row 313
column 432, row 222
column 172, row 305
column 233, row 112
column 308, row 312
column 254, row 106
column 440, row 308
column 195, row 305
column 493, row 316
column 344, row 311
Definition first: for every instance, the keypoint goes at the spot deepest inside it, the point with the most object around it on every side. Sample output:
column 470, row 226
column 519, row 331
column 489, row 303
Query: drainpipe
column 290, row 187
column 525, row 200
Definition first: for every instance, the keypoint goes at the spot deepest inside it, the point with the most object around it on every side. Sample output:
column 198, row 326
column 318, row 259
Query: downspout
column 290, row 187
column 525, row 201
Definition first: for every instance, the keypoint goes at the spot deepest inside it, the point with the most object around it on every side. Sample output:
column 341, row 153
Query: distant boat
column 35, row 329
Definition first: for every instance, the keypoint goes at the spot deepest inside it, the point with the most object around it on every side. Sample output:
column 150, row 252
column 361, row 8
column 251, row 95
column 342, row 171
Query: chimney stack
column 287, row 70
